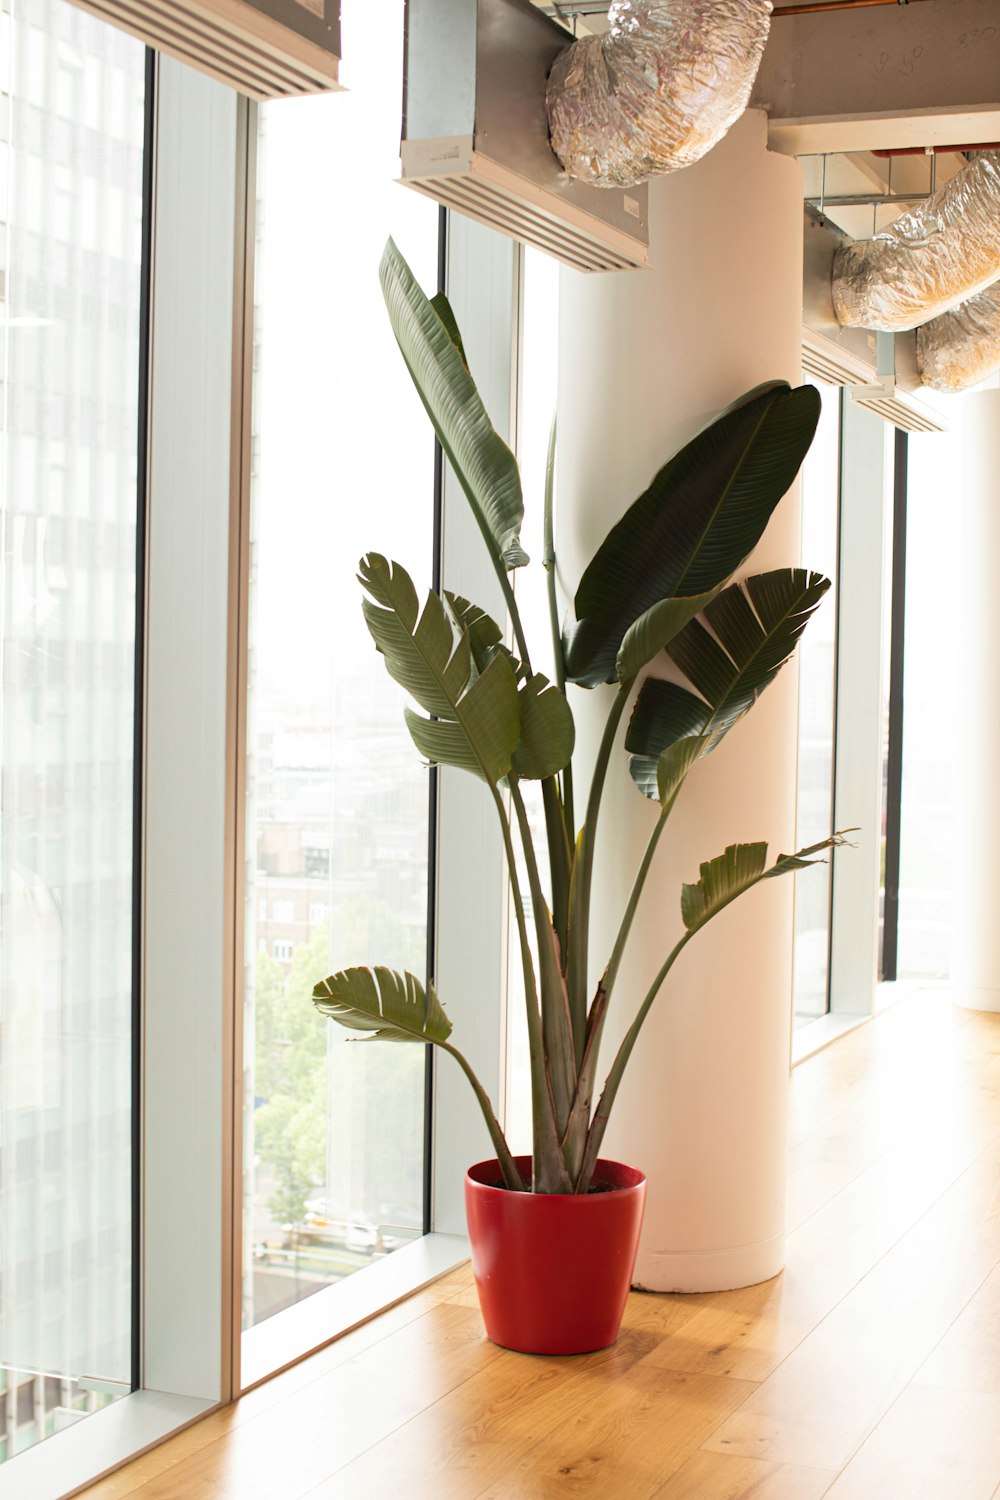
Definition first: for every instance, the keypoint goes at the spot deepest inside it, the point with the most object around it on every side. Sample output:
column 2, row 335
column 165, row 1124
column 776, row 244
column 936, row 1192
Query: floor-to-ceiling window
column 71, row 209
column 933, row 714
column 337, row 827
column 817, row 667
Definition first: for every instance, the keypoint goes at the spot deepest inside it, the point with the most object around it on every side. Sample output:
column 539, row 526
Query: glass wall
column 337, row 840
column 817, row 667
column 933, row 715
column 71, row 157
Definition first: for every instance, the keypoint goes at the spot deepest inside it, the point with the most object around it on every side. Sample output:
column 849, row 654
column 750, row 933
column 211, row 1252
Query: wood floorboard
column 869, row 1370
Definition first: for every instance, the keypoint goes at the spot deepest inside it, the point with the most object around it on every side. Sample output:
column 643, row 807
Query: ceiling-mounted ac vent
column 475, row 135
column 268, row 49
column 824, row 360
column 885, row 398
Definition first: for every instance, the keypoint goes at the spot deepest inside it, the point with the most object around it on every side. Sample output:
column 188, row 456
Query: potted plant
column 554, row 1235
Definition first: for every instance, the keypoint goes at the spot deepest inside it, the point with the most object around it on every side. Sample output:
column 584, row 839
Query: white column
column 646, row 359
column 976, row 931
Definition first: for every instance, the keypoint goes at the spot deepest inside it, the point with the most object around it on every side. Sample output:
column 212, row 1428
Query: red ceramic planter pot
column 553, row 1270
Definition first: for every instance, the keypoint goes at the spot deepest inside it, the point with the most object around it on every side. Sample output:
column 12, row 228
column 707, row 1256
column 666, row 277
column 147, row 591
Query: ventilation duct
column 658, row 90
column 836, row 355
column 941, row 253
column 878, row 370
column 475, row 135
column 269, row 49
column 962, row 347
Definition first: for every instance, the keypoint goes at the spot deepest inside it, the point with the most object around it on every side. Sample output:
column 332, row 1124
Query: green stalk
column 614, row 1078
column 548, row 1170
column 607, row 1099
column 508, row 1166
column 560, row 860
column 512, row 610
column 583, row 869
column 549, row 564
column 617, row 953
column 557, row 1033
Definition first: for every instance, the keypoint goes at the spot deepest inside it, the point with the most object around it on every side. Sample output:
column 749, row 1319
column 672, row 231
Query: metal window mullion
column 188, row 912
column 894, row 786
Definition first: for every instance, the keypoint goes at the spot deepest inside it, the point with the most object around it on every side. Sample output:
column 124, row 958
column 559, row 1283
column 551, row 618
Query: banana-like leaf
column 443, row 308
column 756, row 627
column 652, row 631
column 384, row 1003
column 431, row 345
column 702, row 515
column 740, row 867
column 476, row 724
column 674, row 764
column 548, row 733
column 483, row 631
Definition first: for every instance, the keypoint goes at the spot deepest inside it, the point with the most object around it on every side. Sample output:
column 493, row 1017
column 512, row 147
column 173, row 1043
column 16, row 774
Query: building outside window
column 338, row 813
column 71, row 163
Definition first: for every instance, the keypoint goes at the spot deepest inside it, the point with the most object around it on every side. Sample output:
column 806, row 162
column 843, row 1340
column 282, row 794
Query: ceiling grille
column 232, row 41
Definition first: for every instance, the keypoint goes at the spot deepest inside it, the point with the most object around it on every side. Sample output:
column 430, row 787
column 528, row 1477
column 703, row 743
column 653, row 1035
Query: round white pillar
column 976, row 930
column 646, row 359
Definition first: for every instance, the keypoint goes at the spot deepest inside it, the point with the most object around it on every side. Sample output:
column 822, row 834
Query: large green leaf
column 383, row 1002
column 431, row 345
column 701, row 516
column 483, row 631
column 548, row 733
column 547, row 730
column 476, row 724
column 740, row 867
column 652, row 631
column 673, row 766
column 756, row 626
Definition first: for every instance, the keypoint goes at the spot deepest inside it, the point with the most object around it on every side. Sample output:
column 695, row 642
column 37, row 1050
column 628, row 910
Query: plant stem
column 560, row 860
column 614, row 962
column 547, row 1163
column 559, row 664
column 557, row 1033
column 583, row 875
column 614, row 1078
column 607, row 1099
column 514, row 612
column 549, row 560
column 508, row 1166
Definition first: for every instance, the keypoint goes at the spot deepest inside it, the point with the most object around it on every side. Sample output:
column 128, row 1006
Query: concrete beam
column 894, row 75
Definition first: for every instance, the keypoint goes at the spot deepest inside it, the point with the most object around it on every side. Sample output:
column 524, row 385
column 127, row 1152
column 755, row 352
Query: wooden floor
column 870, row 1370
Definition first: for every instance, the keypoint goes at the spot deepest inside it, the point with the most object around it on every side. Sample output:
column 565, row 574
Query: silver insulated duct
column 658, row 90
column 962, row 347
column 941, row 253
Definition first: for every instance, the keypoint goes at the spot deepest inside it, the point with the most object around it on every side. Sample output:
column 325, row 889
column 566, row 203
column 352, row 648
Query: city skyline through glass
column 71, row 159
column 338, row 798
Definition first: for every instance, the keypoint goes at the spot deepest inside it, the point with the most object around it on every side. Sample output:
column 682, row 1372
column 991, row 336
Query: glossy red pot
column 553, row 1270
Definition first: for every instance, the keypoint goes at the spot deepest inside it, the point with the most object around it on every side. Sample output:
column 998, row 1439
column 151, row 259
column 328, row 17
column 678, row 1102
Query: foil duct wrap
column 658, row 90
column 927, row 262
column 962, row 347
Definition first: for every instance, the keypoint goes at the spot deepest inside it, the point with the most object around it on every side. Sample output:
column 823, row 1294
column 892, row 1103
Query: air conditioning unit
column 878, row 370
column 476, row 138
column 269, row 49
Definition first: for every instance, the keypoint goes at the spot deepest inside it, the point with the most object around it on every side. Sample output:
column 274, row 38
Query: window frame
column 866, row 477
